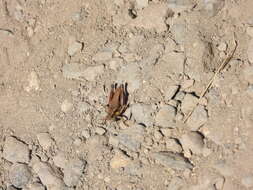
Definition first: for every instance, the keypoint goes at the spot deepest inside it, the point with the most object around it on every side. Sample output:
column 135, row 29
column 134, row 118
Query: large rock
column 19, row 175
column 15, row 151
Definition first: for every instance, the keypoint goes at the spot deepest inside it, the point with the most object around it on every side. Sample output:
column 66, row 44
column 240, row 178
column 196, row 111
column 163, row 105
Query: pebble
column 74, row 47
column 115, row 63
column 86, row 134
column 250, row 51
column 198, row 118
column 247, row 181
column 180, row 96
column 140, row 4
column 179, row 6
column 173, row 145
column 45, row 140
column 48, row 177
column 15, row 151
column 34, row 83
column 132, row 137
column 83, row 107
column 102, row 56
column 212, row 7
column 189, row 102
column 119, row 160
column 80, row 72
column 170, row 92
column 222, row 46
column 152, row 17
column 178, row 30
column 166, row 117
column 77, row 142
column 133, row 79
column 92, row 72
column 60, row 160
column 142, row 114
column 100, row 131
column 172, row 160
column 19, row 175
column 66, row 106
column 192, row 141
column 248, row 73
column 73, row 171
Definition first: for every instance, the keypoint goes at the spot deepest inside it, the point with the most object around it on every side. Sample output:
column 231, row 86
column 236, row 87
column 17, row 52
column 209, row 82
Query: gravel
column 15, row 151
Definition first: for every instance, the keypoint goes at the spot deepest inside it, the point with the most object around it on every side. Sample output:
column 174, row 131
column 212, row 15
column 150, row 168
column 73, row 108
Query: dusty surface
column 58, row 60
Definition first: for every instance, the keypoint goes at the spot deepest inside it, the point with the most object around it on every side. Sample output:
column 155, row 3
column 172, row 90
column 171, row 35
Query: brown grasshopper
column 117, row 104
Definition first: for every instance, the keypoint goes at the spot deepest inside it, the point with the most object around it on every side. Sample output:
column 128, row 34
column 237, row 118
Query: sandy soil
column 58, row 60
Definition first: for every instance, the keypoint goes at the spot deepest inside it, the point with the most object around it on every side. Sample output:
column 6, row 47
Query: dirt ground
column 58, row 60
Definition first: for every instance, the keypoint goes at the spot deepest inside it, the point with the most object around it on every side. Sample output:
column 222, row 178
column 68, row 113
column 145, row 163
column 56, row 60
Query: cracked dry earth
column 58, row 60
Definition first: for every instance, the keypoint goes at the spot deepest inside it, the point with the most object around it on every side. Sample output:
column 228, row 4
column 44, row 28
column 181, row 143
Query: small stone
column 173, row 145
column 100, row 131
column 247, row 181
column 132, row 137
column 250, row 31
column 45, row 140
column 192, row 141
column 73, row 171
column 102, row 56
column 171, row 91
column 189, row 102
column 179, row 6
column 166, row 132
column 60, row 160
column 158, row 135
column 48, row 177
column 187, row 84
column 92, row 72
column 172, row 160
column 113, row 141
column 19, row 175
column 198, row 118
column 34, row 83
column 248, row 73
column 15, row 151
column 86, row 134
column 83, row 107
column 74, row 47
column 66, row 106
column 166, row 117
column 140, row 4
column 115, row 63
column 119, row 160
column 222, row 46
column 250, row 51
column 142, row 114
column 179, row 32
